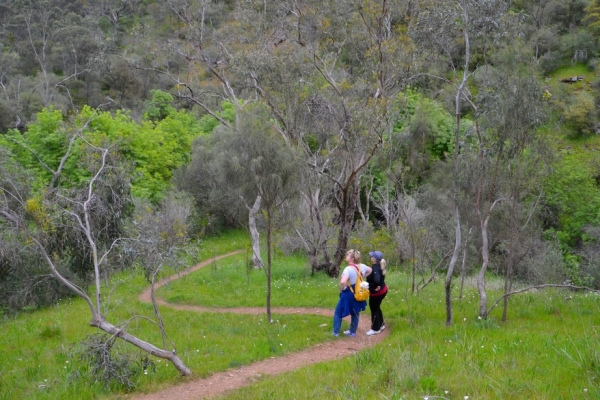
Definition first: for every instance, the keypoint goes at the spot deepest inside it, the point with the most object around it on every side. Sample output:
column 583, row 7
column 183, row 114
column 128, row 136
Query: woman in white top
column 347, row 304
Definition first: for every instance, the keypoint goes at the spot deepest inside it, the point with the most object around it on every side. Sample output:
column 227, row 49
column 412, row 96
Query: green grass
column 548, row 349
column 579, row 69
column 229, row 283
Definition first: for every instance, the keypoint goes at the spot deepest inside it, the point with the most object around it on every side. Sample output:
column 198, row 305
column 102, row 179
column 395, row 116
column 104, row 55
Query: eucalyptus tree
column 255, row 163
column 447, row 31
column 512, row 157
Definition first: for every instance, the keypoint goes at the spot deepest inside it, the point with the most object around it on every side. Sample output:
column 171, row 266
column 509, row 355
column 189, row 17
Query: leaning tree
column 64, row 218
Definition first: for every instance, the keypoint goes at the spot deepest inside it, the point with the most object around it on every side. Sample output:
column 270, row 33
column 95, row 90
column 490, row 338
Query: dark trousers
column 376, row 314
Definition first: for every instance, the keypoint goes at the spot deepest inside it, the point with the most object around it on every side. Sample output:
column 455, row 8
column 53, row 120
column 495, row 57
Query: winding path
column 195, row 388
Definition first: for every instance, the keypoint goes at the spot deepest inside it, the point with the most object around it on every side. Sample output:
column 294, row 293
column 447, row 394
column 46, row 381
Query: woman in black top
column 378, row 290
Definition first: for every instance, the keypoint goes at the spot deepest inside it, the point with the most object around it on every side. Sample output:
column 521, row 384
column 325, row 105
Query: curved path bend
column 195, row 388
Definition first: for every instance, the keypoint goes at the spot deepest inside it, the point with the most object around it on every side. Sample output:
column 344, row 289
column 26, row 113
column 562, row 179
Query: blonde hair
column 355, row 255
column 383, row 264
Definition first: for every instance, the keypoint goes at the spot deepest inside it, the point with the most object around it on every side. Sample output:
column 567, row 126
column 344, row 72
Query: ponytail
column 383, row 264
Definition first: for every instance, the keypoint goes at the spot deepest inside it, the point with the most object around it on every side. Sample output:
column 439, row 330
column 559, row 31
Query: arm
column 343, row 281
column 377, row 278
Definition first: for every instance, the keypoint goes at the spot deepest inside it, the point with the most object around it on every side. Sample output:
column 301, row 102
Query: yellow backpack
column 360, row 294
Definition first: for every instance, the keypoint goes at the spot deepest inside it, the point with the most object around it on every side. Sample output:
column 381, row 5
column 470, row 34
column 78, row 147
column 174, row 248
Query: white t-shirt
column 351, row 272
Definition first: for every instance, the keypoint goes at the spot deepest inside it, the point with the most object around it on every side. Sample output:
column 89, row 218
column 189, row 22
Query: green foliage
column 154, row 149
column 592, row 17
column 439, row 126
column 580, row 115
column 407, row 103
column 579, row 45
column 43, row 145
column 572, row 194
column 208, row 122
column 158, row 149
column 160, row 106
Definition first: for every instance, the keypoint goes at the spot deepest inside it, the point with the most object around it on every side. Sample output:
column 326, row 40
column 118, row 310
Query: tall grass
column 548, row 349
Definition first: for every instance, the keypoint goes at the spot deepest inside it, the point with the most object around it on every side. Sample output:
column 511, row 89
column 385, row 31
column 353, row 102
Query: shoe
column 335, row 334
column 348, row 333
column 372, row 332
column 382, row 327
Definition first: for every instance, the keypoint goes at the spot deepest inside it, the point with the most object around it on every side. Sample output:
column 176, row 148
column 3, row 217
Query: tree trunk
column 269, row 266
column 485, row 255
column 107, row 327
column 457, row 239
column 448, row 281
column 511, row 258
column 347, row 208
column 257, row 261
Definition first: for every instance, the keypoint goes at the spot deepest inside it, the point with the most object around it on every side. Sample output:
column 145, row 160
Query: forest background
column 460, row 138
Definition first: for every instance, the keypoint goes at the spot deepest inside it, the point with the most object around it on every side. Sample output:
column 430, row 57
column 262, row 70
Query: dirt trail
column 195, row 388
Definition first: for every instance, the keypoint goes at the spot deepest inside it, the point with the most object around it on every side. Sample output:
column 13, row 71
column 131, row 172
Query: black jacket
column 376, row 278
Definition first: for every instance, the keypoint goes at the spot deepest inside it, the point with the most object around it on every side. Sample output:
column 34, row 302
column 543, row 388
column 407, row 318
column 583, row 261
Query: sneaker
column 335, row 334
column 382, row 327
column 372, row 332
column 348, row 333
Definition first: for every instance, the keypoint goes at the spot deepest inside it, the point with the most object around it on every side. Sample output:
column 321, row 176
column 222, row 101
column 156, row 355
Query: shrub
column 580, row 115
column 551, row 61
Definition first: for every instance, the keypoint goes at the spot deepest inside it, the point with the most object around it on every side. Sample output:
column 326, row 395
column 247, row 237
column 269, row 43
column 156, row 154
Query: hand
column 378, row 288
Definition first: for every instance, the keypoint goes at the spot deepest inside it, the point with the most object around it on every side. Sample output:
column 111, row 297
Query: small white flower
column 466, row 397
column 446, row 392
column 585, row 390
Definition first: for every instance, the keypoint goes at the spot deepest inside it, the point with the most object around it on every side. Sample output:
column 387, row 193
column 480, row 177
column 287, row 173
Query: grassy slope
column 547, row 350
column 37, row 360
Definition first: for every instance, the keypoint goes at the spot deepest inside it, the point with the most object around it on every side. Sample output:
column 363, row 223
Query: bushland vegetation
column 460, row 138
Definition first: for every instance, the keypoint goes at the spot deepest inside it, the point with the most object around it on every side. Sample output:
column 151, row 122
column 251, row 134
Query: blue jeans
column 337, row 320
